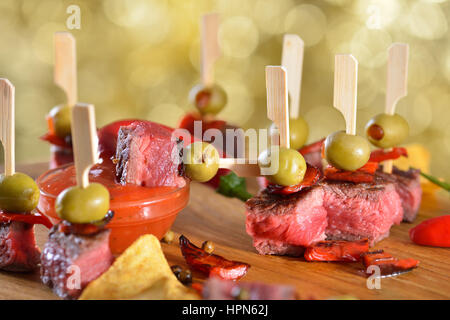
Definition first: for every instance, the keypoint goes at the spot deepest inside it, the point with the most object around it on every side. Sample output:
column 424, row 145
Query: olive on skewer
column 59, row 118
column 298, row 132
column 18, row 193
column 209, row 99
column 345, row 151
column 201, row 161
column 291, row 166
column 386, row 130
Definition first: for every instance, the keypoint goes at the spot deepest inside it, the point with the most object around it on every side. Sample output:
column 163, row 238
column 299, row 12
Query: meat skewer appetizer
column 350, row 203
column 387, row 130
column 209, row 98
column 77, row 251
column 19, row 196
column 59, row 118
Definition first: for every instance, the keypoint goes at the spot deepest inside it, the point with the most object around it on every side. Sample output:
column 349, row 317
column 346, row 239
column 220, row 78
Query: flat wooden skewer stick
column 397, row 76
column 241, row 167
column 345, row 86
column 277, row 101
column 210, row 46
column 84, row 140
column 292, row 60
column 7, row 124
column 65, row 72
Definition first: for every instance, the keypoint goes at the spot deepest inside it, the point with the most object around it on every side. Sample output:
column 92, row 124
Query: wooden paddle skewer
column 277, row 111
column 292, row 61
column 85, row 141
column 397, row 75
column 345, row 86
column 210, row 46
column 65, row 72
column 7, row 128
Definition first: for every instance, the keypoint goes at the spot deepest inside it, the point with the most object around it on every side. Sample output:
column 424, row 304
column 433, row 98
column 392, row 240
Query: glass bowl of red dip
column 137, row 210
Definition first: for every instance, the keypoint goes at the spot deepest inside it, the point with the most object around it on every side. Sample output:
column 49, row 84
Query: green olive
column 18, row 193
column 298, row 132
column 83, row 205
column 387, row 131
column 346, row 152
column 61, row 116
column 201, row 161
column 208, row 99
column 291, row 166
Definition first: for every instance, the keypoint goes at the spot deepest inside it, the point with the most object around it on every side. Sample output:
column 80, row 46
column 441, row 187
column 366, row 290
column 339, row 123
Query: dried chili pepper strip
column 211, row 264
column 363, row 174
column 85, row 229
column 432, row 232
column 312, row 177
column 313, row 147
column 334, row 250
column 389, row 265
column 197, row 286
column 30, row 218
column 55, row 140
column 380, row 155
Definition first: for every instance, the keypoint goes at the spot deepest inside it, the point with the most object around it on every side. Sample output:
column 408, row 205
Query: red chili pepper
column 211, row 264
column 55, row 140
column 432, row 232
column 345, row 251
column 363, row 174
column 197, row 286
column 313, row 147
column 380, row 155
column 85, row 229
column 312, row 176
column 389, row 266
column 30, row 218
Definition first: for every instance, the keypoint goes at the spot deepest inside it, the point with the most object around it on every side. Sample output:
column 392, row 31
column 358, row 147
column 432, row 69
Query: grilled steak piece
column 284, row 224
column 217, row 289
column 69, row 262
column 407, row 185
column 18, row 249
column 361, row 210
column 148, row 154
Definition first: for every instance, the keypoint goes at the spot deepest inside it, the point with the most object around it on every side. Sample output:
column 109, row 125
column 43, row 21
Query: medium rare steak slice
column 18, row 250
column 70, row 262
column 407, row 185
column 361, row 210
column 217, row 289
column 283, row 224
column 148, row 155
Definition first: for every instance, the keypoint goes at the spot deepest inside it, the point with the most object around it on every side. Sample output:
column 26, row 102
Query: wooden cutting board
column 210, row 216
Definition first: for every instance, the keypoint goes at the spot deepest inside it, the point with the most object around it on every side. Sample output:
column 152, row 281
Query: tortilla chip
column 141, row 267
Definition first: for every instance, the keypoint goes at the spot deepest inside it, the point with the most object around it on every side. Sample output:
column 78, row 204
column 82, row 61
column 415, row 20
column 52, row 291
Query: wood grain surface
column 210, row 216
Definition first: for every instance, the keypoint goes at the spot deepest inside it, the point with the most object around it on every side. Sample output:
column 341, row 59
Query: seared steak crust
column 66, row 255
column 18, row 249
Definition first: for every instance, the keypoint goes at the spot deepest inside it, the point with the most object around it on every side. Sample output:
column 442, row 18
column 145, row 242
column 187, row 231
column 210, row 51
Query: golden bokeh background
column 139, row 58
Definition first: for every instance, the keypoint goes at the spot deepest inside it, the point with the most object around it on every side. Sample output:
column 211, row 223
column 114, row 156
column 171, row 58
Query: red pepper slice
column 389, row 265
column 432, row 232
column 380, row 155
column 85, row 229
column 55, row 140
column 197, row 286
column 334, row 250
column 30, row 218
column 312, row 176
column 363, row 174
column 313, row 147
column 211, row 264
